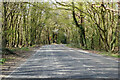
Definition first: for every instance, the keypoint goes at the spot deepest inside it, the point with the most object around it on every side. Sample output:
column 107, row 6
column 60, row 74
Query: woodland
column 86, row 25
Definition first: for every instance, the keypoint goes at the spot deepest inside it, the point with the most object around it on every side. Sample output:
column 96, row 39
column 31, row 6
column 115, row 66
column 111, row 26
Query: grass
column 100, row 52
column 2, row 61
column 23, row 48
column 73, row 45
column 76, row 46
column 110, row 54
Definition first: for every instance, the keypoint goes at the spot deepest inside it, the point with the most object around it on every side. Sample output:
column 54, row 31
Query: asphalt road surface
column 59, row 61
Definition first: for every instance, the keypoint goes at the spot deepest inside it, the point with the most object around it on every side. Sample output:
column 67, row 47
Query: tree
column 118, row 26
column 86, row 25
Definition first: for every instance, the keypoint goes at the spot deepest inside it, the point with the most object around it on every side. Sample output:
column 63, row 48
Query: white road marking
column 83, row 51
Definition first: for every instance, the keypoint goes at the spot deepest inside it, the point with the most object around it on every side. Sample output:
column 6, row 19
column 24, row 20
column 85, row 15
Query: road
column 59, row 61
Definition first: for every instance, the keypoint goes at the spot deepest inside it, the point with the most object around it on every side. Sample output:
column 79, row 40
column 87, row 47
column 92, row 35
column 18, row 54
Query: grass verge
column 111, row 54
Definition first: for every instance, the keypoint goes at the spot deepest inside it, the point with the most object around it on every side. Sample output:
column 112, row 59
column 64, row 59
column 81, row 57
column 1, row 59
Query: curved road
column 59, row 61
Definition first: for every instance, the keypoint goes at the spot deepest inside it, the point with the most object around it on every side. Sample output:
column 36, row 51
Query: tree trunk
column 0, row 27
column 48, row 36
column 4, row 26
column 53, row 37
column 92, row 42
column 118, row 27
column 80, row 26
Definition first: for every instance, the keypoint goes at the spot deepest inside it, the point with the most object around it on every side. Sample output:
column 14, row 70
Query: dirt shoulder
column 14, row 61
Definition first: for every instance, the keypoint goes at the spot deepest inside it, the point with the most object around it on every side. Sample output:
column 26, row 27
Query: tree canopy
column 84, row 24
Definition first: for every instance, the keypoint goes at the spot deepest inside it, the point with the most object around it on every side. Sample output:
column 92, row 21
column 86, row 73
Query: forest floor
column 13, row 61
